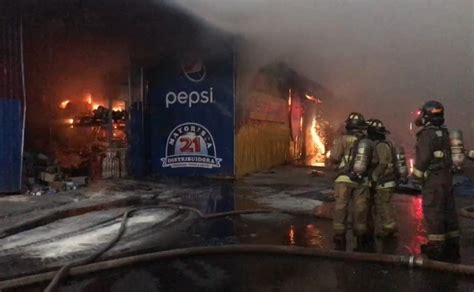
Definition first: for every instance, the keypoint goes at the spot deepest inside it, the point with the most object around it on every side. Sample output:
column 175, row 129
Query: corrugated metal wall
column 11, row 105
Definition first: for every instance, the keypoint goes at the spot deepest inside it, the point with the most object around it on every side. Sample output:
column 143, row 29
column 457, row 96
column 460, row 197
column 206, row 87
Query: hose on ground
column 398, row 260
column 467, row 212
column 64, row 270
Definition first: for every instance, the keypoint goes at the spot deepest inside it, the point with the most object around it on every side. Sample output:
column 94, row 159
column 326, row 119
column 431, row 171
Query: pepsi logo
column 193, row 68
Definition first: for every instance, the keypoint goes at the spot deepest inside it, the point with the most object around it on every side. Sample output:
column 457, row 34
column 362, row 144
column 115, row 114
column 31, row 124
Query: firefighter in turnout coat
column 433, row 169
column 383, row 178
column 349, row 186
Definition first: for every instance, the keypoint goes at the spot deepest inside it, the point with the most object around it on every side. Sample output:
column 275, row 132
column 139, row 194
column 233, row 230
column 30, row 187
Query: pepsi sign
column 191, row 103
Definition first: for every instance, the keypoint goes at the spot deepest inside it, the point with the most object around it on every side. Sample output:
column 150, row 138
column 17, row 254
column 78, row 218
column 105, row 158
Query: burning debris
column 88, row 141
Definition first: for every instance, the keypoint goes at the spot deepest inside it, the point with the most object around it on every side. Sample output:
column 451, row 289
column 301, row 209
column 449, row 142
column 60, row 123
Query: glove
column 374, row 180
column 403, row 180
column 456, row 170
column 355, row 177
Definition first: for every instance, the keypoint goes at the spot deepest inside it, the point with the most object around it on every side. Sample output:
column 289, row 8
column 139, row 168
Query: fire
column 94, row 104
column 313, row 98
column 70, row 121
column 118, row 106
column 64, row 103
column 88, row 98
column 316, row 146
column 318, row 141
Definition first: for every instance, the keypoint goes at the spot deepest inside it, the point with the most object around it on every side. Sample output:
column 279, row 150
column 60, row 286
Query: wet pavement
column 308, row 198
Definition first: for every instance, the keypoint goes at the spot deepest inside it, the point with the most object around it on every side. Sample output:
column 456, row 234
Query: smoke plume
column 381, row 57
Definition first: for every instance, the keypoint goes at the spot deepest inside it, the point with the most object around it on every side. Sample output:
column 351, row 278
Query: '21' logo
column 190, row 145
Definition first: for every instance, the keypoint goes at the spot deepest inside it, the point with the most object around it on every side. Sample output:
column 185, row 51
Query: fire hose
column 86, row 265
column 398, row 260
column 467, row 212
column 64, row 270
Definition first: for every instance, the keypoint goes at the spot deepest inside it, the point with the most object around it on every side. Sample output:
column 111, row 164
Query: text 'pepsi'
column 191, row 98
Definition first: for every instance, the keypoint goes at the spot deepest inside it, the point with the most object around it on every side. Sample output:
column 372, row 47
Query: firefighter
column 383, row 179
column 349, row 185
column 433, row 169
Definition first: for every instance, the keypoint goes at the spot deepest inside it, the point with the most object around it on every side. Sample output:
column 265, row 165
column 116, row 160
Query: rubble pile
column 46, row 176
column 87, row 141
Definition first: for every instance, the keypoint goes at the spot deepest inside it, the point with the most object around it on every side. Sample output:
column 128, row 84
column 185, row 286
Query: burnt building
column 149, row 87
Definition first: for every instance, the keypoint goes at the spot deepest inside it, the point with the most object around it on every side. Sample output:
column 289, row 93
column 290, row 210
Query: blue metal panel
column 191, row 119
column 11, row 138
column 137, row 152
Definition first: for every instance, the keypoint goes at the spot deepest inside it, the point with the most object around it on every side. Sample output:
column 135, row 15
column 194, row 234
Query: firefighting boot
column 365, row 243
column 389, row 245
column 340, row 242
column 451, row 250
column 433, row 250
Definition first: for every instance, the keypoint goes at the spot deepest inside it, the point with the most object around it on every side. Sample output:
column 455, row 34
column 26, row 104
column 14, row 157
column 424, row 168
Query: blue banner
column 11, row 143
column 191, row 119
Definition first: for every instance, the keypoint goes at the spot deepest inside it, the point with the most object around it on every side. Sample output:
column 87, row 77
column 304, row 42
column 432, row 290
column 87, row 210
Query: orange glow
column 95, row 106
column 68, row 121
column 64, row 103
column 412, row 165
column 291, row 235
column 118, row 106
column 88, row 98
column 317, row 139
column 317, row 145
column 301, row 123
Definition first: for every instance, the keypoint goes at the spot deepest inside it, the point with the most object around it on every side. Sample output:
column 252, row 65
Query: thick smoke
column 381, row 57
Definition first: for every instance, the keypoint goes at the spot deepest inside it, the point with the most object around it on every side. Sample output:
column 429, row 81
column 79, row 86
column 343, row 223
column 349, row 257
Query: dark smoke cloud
column 383, row 58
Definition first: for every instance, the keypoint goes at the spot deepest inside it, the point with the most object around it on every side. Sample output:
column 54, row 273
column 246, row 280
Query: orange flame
column 68, row 121
column 88, row 98
column 64, row 103
column 318, row 141
column 118, row 106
